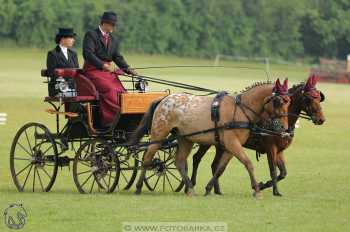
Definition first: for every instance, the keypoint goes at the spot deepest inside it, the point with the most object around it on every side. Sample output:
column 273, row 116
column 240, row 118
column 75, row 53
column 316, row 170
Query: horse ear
column 285, row 83
column 314, row 80
column 277, row 86
column 309, row 83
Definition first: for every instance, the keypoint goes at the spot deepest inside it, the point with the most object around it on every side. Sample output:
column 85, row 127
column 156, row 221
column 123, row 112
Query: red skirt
column 109, row 87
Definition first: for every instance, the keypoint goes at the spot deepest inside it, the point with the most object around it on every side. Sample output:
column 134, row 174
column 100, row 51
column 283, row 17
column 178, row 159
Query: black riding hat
column 109, row 17
column 63, row 33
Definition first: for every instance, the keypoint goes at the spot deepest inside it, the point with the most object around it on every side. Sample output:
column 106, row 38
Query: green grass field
column 316, row 192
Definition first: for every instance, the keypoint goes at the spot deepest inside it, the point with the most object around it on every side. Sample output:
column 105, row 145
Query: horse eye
column 276, row 103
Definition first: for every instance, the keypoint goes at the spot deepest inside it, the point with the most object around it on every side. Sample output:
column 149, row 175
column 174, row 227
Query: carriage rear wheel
column 129, row 165
column 33, row 158
column 164, row 175
column 96, row 167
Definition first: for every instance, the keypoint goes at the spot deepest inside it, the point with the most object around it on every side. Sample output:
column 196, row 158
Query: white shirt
column 103, row 33
column 64, row 51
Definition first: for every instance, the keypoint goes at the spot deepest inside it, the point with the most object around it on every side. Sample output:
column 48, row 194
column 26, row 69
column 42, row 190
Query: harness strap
column 238, row 100
column 215, row 114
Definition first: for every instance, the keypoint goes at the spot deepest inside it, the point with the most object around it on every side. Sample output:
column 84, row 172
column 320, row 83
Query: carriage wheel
column 33, row 158
column 96, row 167
column 128, row 167
column 164, row 174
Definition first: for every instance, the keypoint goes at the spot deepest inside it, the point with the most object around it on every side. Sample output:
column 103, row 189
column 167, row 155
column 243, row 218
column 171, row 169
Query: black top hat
column 109, row 17
column 64, row 32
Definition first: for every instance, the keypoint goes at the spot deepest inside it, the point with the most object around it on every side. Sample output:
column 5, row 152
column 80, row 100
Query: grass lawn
column 316, row 192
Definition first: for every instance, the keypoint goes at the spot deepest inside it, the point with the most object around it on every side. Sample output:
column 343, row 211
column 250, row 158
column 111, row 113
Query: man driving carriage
column 100, row 48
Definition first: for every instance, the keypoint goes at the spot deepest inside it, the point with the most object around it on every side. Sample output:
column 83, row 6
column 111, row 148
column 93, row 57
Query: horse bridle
column 243, row 106
column 306, row 100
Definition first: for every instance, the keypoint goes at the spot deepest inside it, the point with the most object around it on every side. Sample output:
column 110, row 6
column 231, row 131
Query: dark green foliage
column 278, row 28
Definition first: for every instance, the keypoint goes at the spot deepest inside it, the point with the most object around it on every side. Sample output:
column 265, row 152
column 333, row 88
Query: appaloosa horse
column 304, row 98
column 184, row 114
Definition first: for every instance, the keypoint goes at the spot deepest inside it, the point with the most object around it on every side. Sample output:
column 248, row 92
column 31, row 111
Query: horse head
column 311, row 101
column 276, row 106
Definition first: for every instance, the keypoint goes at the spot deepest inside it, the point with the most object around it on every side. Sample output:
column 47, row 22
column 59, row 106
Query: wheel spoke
column 172, row 162
column 80, row 173
column 163, row 183
column 34, row 179
column 86, row 180
column 29, row 153
column 150, row 176
column 92, row 186
column 174, row 176
column 85, row 164
column 126, row 179
column 23, row 169
column 47, row 149
column 155, row 185
column 25, row 181
column 40, row 181
column 109, row 179
column 16, row 158
column 171, row 186
column 43, row 168
column 30, row 146
column 107, row 185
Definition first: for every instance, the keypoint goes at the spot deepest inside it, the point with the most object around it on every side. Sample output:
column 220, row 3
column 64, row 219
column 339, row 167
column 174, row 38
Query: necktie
column 106, row 39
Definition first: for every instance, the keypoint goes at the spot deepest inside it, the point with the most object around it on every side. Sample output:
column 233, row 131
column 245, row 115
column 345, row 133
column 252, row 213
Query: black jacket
column 56, row 59
column 95, row 52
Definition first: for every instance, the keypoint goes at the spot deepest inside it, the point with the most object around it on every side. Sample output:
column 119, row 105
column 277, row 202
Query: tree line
column 201, row 28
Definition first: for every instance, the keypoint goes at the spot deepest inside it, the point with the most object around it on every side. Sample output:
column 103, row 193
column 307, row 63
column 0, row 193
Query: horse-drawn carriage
column 102, row 160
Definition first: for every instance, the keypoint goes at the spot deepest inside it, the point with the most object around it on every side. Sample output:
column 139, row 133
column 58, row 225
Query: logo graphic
column 15, row 216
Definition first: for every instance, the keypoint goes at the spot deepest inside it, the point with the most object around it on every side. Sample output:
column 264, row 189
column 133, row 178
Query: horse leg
column 283, row 172
column 184, row 150
column 281, row 164
column 197, row 157
column 222, row 164
column 214, row 166
column 272, row 165
column 146, row 163
column 236, row 148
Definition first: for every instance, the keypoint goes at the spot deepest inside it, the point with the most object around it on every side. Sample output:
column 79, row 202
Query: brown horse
column 304, row 97
column 184, row 114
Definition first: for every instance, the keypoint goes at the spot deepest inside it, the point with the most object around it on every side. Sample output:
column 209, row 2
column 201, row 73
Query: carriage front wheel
column 33, row 158
column 96, row 167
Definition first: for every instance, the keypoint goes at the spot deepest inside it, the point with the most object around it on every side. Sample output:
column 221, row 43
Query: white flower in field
column 297, row 124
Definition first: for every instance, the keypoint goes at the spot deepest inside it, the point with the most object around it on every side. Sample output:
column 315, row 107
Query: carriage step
column 68, row 114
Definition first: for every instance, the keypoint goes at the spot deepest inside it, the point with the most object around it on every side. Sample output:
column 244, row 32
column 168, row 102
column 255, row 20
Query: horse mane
column 296, row 87
column 256, row 84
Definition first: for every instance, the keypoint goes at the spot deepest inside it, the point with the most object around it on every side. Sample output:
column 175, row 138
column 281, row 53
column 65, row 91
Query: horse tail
column 145, row 125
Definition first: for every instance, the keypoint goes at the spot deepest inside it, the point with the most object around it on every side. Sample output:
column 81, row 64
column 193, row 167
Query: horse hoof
column 218, row 193
column 261, row 186
column 137, row 192
column 207, row 193
column 258, row 195
column 190, row 192
column 277, row 194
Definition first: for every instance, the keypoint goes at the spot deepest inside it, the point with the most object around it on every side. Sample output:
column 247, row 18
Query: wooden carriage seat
column 86, row 90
